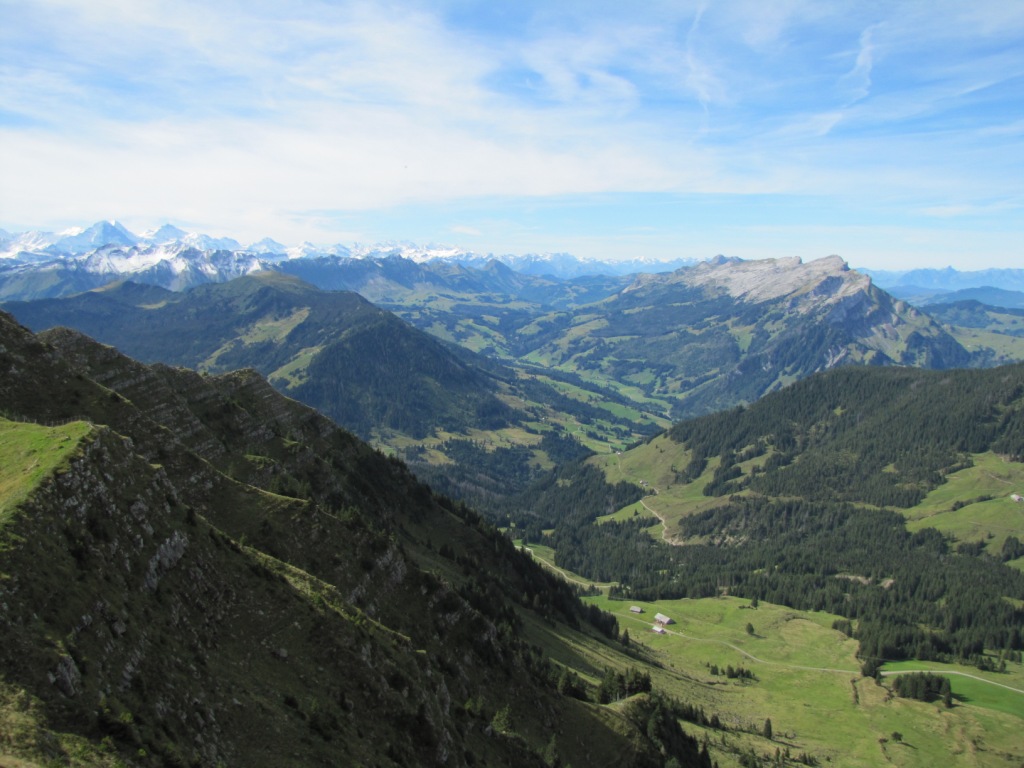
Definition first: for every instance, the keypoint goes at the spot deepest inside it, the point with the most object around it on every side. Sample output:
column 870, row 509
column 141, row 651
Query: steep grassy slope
column 218, row 575
column 29, row 453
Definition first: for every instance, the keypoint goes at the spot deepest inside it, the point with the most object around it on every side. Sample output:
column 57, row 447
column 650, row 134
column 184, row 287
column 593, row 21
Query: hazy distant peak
column 267, row 246
column 101, row 233
column 167, row 233
column 207, row 243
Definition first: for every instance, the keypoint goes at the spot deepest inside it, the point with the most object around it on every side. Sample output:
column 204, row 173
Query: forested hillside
column 803, row 497
column 359, row 365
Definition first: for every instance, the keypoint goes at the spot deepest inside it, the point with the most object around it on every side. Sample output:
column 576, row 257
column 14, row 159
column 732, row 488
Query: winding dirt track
column 664, row 527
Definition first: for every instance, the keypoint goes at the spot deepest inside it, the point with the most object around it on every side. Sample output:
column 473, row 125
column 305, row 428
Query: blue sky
column 890, row 133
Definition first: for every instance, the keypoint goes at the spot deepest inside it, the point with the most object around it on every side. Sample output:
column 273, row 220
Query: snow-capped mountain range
column 108, row 246
column 81, row 241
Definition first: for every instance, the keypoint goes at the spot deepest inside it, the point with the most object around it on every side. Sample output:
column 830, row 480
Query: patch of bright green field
column 640, row 509
column 645, row 410
column 294, row 371
column 266, row 329
column 634, row 393
column 1008, row 347
column 808, row 683
column 546, row 557
column 743, row 335
column 990, row 520
column 1003, row 692
column 29, row 453
column 654, row 466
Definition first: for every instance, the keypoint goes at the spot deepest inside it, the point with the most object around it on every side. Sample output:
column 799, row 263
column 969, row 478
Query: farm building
column 635, row 609
column 662, row 619
column 659, row 630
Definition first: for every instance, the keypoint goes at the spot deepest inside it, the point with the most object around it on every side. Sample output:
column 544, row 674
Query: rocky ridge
column 221, row 576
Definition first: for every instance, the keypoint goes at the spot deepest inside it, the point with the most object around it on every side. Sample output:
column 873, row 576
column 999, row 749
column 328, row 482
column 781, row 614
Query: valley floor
column 806, row 680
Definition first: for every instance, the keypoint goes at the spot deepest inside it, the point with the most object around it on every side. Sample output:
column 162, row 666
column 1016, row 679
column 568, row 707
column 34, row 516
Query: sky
column 890, row 133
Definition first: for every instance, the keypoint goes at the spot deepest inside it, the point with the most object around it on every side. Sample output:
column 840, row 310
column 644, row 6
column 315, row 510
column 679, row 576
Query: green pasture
column 1000, row 691
column 29, row 453
column 978, row 517
column 294, row 371
column 269, row 329
column 807, row 681
column 1007, row 347
column 809, row 684
column 656, row 463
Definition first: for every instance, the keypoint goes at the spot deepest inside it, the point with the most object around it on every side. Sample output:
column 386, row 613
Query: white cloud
column 858, row 79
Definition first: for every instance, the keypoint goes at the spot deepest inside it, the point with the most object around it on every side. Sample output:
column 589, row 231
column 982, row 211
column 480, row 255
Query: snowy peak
column 267, row 246
column 207, row 243
column 100, row 234
column 46, row 264
column 37, row 247
column 168, row 233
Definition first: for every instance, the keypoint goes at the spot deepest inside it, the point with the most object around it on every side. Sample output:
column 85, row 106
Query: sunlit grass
column 29, row 453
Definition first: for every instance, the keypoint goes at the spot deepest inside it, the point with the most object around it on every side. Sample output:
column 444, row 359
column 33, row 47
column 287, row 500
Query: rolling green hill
column 314, row 345
column 994, row 335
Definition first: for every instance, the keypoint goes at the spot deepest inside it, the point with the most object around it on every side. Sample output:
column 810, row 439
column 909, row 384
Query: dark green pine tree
column 947, row 693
